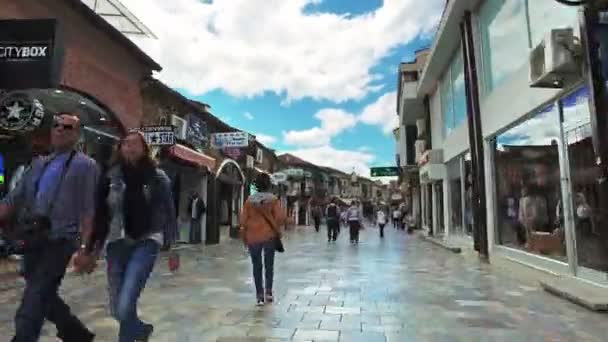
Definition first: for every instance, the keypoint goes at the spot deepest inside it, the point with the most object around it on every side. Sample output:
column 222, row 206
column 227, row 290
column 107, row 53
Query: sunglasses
column 64, row 126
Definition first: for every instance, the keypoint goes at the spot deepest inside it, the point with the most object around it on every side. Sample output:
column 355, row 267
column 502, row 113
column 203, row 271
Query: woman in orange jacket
column 261, row 221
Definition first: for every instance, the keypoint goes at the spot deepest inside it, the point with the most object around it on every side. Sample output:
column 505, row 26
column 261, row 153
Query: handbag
column 278, row 243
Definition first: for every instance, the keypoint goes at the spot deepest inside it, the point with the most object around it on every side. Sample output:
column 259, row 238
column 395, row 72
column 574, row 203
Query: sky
column 315, row 78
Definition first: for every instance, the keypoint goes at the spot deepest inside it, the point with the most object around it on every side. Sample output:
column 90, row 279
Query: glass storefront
column 531, row 190
column 454, row 176
column 440, row 228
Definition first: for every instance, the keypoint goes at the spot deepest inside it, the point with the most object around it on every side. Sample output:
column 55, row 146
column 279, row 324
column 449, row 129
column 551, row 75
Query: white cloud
column 248, row 47
column 343, row 160
column 248, row 116
column 382, row 113
column 333, row 122
column 265, row 139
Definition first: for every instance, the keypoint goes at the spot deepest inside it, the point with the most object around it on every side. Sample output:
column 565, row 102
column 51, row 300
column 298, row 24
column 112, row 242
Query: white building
column 536, row 140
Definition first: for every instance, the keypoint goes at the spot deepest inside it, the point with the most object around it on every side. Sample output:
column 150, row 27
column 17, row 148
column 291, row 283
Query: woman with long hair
column 261, row 221
column 135, row 214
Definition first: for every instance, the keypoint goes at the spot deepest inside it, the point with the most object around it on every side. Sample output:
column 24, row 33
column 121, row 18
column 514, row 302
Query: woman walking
column 354, row 218
column 261, row 221
column 135, row 210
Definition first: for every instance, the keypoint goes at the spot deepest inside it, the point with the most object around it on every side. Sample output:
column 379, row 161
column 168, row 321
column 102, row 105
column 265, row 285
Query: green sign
column 388, row 171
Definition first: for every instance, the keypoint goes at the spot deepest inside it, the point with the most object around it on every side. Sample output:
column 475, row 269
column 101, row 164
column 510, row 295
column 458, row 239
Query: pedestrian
column 333, row 221
column 58, row 194
column 381, row 221
column 196, row 208
column 261, row 220
column 316, row 217
column 397, row 218
column 135, row 215
column 354, row 218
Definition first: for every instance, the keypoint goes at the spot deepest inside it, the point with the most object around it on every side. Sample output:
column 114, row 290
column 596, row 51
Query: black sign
column 197, row 133
column 384, row 171
column 159, row 135
column 31, row 54
column 20, row 112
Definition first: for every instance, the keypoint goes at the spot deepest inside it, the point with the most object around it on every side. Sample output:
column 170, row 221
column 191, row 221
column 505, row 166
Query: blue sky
column 316, row 78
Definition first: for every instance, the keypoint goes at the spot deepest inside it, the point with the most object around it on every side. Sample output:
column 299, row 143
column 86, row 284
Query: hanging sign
column 229, row 139
column 279, row 177
column 232, row 152
column 20, row 112
column 159, row 135
column 31, row 55
column 197, row 134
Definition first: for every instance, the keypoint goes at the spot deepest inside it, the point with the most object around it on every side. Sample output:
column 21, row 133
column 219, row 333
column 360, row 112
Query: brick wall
column 94, row 64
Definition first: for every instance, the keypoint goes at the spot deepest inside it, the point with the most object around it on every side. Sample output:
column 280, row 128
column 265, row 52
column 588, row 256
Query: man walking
column 316, row 216
column 354, row 218
column 333, row 221
column 196, row 208
column 58, row 193
column 381, row 221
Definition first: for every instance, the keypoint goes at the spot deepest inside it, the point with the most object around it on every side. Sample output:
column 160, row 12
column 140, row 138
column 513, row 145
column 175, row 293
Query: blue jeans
column 255, row 250
column 129, row 266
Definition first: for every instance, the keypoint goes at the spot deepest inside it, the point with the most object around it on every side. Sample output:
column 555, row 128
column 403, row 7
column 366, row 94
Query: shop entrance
column 229, row 195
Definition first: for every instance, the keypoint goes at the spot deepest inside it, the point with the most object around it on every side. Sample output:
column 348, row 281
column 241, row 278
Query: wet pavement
column 398, row 289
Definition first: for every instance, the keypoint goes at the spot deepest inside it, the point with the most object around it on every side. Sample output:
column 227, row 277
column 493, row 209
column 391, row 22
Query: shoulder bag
column 278, row 244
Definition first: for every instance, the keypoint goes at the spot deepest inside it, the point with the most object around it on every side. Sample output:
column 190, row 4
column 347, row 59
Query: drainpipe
column 480, row 232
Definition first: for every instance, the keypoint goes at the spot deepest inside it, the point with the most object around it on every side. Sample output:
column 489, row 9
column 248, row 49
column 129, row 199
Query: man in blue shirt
column 60, row 187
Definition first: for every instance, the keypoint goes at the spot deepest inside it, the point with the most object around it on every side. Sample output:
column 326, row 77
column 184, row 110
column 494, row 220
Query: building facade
column 490, row 114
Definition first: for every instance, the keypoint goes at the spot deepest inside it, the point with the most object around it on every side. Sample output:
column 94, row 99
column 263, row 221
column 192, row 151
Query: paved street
column 399, row 289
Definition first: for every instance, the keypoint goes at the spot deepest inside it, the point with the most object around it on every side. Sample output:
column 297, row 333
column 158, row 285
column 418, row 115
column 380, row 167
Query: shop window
column 528, row 186
column 455, row 178
column 549, row 14
column 589, row 218
column 468, row 194
column 504, row 40
column 453, row 94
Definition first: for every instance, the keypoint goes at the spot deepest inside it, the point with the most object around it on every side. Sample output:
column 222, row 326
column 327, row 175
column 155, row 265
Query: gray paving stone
column 316, row 335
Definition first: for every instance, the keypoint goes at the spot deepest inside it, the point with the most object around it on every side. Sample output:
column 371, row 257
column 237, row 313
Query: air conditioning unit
column 554, row 62
column 181, row 127
column 421, row 127
column 259, row 156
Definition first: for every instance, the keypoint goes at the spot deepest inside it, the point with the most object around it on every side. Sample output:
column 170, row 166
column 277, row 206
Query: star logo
column 14, row 111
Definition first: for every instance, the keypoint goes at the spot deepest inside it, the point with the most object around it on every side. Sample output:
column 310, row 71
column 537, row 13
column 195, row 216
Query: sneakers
column 269, row 298
column 148, row 329
column 260, row 302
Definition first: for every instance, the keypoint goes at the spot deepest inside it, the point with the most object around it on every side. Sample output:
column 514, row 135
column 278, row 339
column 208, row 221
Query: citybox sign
column 31, row 54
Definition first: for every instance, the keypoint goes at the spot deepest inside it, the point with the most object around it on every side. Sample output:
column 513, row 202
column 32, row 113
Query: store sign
column 229, row 140
column 388, row 171
column 232, row 152
column 19, row 112
column 31, row 54
column 294, row 172
column 279, row 177
column 159, row 135
column 197, row 133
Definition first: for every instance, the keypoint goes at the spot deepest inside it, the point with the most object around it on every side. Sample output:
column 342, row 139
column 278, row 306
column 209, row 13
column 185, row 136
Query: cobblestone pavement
column 398, row 289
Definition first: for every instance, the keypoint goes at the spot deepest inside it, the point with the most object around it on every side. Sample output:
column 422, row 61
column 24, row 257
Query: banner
column 229, row 139
column 159, row 135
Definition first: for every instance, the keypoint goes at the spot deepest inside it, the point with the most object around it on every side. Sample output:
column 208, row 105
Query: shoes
column 148, row 329
column 269, row 298
column 260, row 302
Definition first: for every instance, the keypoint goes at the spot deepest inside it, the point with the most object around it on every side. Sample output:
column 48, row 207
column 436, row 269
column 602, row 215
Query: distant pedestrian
column 397, row 218
column 333, row 221
column 316, row 217
column 354, row 218
column 261, row 221
column 381, row 221
column 136, row 215
column 196, row 209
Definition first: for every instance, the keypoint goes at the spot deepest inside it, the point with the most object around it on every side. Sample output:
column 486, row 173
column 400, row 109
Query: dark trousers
column 129, row 266
column 196, row 235
column 255, row 250
column 354, row 230
column 333, row 229
column 44, row 271
column 317, row 221
column 381, row 226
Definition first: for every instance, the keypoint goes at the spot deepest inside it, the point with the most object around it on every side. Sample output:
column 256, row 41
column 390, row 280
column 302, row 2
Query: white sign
column 279, row 177
column 230, row 139
column 159, row 135
column 294, row 172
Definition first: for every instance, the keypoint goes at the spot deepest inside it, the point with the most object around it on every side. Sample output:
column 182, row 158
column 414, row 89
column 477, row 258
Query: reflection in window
column 589, row 218
column 528, row 186
column 455, row 178
column 549, row 14
column 504, row 38
column 453, row 94
column 447, row 104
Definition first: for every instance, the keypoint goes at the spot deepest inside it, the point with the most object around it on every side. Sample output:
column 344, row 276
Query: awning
column 191, row 156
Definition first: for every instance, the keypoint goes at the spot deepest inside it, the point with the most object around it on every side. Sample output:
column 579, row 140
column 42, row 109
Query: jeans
column 129, row 266
column 255, row 250
column 44, row 270
column 354, row 230
column 333, row 229
column 381, row 226
column 195, row 231
column 317, row 221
